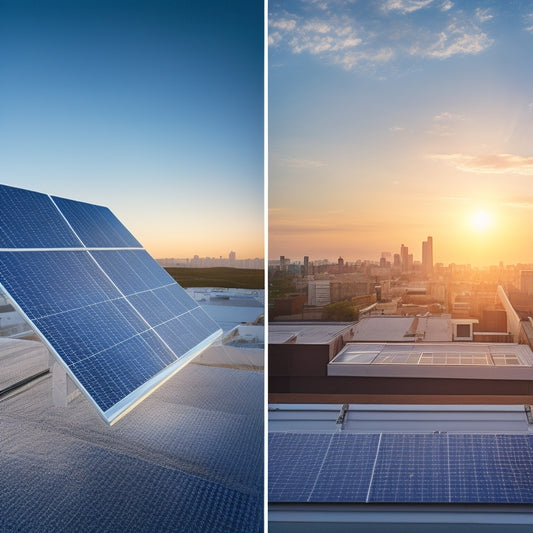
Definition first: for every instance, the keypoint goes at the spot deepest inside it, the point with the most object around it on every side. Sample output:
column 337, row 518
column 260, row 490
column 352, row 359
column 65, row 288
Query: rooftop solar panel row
column 117, row 322
column 406, row 468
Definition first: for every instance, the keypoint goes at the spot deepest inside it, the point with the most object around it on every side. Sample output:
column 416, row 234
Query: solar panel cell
column 46, row 283
column 294, row 462
column 491, row 468
column 95, row 225
column 347, row 469
column 411, row 468
column 120, row 271
column 81, row 333
column 151, row 308
column 30, row 220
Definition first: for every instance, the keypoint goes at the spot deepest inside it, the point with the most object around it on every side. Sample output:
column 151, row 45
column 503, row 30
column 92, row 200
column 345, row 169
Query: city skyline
column 153, row 109
column 393, row 120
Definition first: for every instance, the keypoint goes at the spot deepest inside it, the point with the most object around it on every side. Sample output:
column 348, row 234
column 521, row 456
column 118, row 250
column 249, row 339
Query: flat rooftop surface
column 431, row 328
column 308, row 333
column 188, row 458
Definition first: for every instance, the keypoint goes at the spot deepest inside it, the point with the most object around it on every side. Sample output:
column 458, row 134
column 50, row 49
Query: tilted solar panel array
column 402, row 468
column 117, row 322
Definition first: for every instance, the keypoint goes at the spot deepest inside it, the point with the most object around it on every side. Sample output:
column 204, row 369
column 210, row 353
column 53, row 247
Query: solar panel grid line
column 65, row 219
column 449, row 468
column 373, row 469
column 320, row 469
column 346, row 472
column 66, row 249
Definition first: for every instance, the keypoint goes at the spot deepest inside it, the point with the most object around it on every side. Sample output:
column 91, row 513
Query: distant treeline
column 239, row 278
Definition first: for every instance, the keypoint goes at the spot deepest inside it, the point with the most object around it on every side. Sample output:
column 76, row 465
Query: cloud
column 489, row 163
column 367, row 37
column 528, row 22
column 396, row 129
column 458, row 38
column 446, row 116
column 283, row 24
column 519, row 202
column 445, row 123
column 317, row 36
column 483, row 15
column 405, row 6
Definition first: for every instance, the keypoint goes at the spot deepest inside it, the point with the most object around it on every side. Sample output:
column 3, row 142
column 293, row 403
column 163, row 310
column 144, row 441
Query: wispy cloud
column 331, row 37
column 528, row 22
column 405, row 6
column 445, row 123
column 519, row 202
column 345, row 34
column 484, row 15
column 488, row 163
column 458, row 38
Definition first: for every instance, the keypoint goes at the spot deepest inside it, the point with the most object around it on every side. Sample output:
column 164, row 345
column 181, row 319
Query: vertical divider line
column 449, row 471
column 321, row 467
column 373, row 469
column 66, row 220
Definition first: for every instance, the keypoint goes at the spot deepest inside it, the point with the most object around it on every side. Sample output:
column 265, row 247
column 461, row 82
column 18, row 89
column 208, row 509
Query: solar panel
column 411, row 468
column 347, row 469
column 400, row 467
column 115, row 320
column 491, row 468
column 294, row 461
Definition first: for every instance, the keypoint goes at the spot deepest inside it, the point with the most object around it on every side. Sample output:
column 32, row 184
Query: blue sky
column 392, row 120
column 152, row 108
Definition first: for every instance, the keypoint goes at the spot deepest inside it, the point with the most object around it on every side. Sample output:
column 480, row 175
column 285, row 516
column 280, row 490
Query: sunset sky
column 152, row 108
column 393, row 120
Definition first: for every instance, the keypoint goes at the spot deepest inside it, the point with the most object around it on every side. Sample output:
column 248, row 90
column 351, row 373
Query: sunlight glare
column 481, row 221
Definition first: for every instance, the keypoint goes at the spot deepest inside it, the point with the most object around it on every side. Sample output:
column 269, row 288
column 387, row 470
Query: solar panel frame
column 67, row 295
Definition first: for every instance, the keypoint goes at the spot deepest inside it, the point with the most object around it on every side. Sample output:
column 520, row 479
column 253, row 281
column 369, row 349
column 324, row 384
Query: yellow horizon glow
column 462, row 233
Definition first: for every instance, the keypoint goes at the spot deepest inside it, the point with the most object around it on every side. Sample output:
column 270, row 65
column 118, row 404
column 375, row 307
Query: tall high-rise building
column 404, row 254
column 526, row 281
column 306, row 265
column 232, row 258
column 397, row 261
column 427, row 256
column 282, row 266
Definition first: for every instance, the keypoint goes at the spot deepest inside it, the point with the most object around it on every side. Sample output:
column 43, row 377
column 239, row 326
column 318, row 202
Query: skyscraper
column 404, row 254
column 306, row 265
column 427, row 256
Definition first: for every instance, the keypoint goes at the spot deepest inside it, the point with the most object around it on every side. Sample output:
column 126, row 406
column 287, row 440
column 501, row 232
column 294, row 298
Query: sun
column 481, row 221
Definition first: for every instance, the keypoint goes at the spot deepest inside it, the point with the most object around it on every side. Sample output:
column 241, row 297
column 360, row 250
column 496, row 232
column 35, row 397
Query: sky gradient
column 151, row 108
column 393, row 120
